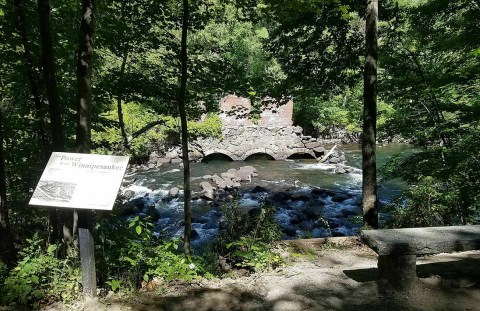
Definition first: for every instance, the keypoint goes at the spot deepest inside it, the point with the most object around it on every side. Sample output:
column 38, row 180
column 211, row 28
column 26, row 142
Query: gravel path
column 339, row 276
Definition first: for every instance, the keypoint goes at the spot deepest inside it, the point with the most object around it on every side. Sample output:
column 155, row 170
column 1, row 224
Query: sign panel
column 79, row 180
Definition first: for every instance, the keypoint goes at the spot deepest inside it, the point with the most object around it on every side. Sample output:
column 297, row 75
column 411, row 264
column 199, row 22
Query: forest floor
column 339, row 275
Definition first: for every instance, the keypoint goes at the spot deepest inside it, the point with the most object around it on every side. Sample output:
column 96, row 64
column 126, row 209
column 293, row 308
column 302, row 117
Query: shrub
column 40, row 277
column 248, row 237
column 425, row 205
column 129, row 254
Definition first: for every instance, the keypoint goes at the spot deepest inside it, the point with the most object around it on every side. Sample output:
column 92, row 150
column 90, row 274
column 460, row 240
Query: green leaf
column 138, row 229
column 51, row 249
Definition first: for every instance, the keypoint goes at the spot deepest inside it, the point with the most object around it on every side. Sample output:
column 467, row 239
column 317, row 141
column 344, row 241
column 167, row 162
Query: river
column 302, row 212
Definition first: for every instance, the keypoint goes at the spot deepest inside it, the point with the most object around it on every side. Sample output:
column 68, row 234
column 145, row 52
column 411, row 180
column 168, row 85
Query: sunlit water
column 318, row 216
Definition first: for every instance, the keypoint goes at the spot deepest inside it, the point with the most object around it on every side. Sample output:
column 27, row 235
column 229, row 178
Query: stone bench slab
column 398, row 248
column 422, row 241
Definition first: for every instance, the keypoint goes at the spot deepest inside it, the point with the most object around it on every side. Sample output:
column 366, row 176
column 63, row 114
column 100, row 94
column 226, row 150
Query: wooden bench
column 397, row 249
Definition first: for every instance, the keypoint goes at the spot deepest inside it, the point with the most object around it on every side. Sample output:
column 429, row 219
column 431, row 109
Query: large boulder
column 174, row 192
column 207, row 191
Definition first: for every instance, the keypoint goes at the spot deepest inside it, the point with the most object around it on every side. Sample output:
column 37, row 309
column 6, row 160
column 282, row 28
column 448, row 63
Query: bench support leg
column 399, row 270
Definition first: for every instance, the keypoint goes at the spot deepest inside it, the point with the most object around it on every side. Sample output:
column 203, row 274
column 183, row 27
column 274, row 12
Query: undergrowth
column 247, row 241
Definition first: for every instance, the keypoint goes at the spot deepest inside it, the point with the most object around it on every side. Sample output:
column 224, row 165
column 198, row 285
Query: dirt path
column 325, row 278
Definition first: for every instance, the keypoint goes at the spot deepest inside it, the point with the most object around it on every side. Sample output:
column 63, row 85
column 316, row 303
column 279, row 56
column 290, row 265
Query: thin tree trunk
column 84, row 138
column 183, row 121
column 84, row 77
column 145, row 129
column 32, row 79
column 369, row 163
column 56, row 126
column 49, row 76
column 7, row 248
column 119, row 102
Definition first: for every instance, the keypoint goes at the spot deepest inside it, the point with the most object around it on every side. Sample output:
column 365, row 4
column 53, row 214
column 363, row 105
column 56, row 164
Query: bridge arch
column 302, row 153
column 259, row 151
column 209, row 154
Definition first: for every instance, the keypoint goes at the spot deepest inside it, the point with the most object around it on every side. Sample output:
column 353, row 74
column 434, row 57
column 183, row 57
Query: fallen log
column 325, row 157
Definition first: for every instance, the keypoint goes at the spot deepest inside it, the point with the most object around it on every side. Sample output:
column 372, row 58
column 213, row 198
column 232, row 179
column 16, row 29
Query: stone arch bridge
column 273, row 133
column 239, row 143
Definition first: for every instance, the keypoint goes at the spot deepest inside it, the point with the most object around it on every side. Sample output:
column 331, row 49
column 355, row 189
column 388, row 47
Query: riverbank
column 339, row 275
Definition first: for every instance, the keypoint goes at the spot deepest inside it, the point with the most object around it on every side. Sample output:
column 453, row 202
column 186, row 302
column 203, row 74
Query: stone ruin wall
column 236, row 111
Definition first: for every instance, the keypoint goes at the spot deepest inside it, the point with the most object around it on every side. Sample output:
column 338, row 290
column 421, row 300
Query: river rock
column 163, row 161
column 228, row 176
column 243, row 176
column 153, row 213
column 174, row 192
column 347, row 213
column 334, row 160
column 340, row 197
column 207, row 191
column 319, row 149
column 280, row 196
column 138, row 204
column 129, row 194
column 340, row 169
column 307, row 225
column 207, row 177
column 249, row 169
column 260, row 189
column 171, row 155
column 207, row 195
column 176, row 161
column 299, row 196
column 312, row 145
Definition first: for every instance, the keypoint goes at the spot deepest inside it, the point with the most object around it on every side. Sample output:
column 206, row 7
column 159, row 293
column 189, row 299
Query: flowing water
column 335, row 210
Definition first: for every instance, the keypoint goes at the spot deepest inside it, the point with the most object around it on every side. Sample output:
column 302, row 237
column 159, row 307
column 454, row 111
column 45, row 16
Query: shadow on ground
column 453, row 285
column 445, row 286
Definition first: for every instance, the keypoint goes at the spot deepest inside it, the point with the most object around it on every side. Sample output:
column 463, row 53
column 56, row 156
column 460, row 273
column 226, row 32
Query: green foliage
column 3, row 272
column 229, row 55
column 444, row 183
column 41, row 277
column 106, row 139
column 210, row 127
column 425, row 205
column 136, row 116
column 252, row 253
column 248, row 237
column 129, row 254
column 325, row 117
column 431, row 77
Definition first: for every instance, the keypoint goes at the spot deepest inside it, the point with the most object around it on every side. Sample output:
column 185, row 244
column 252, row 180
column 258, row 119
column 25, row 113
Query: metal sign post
column 85, row 182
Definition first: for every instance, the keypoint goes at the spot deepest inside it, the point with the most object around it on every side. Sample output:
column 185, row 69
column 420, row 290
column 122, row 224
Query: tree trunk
column 7, row 249
column 32, row 79
column 183, row 121
column 84, row 78
column 49, row 76
column 56, row 126
column 119, row 102
column 369, row 163
column 84, row 138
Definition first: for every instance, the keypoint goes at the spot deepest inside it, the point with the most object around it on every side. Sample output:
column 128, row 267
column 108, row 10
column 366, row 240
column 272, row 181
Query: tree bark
column 7, row 249
column 183, row 121
column 56, row 126
column 145, row 129
column 31, row 67
column 119, row 102
column 84, row 77
column 58, row 141
column 84, row 138
column 369, row 163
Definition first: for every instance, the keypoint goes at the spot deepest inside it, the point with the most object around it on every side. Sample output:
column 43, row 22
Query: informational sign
column 79, row 180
